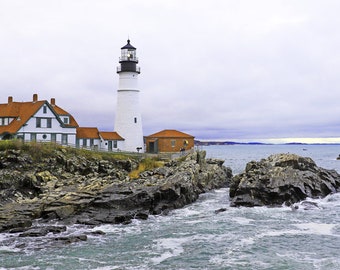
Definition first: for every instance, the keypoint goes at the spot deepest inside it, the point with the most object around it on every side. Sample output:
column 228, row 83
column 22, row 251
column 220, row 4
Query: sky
column 245, row 70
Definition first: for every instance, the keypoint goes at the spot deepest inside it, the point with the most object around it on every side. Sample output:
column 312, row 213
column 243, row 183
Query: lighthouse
column 128, row 122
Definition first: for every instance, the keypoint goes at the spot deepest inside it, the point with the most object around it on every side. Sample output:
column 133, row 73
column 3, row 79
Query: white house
column 43, row 121
column 92, row 138
column 37, row 120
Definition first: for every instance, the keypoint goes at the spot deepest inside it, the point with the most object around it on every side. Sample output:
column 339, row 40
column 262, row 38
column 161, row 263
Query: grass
column 146, row 165
column 38, row 151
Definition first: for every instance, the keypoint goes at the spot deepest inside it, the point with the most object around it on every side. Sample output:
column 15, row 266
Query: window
column 44, row 136
column 45, row 109
column 77, row 143
column 91, row 142
column 49, row 122
column 173, row 143
column 53, row 137
column 135, row 119
column 65, row 120
column 33, row 137
column 114, row 144
column 63, row 138
column 84, row 142
column 38, row 122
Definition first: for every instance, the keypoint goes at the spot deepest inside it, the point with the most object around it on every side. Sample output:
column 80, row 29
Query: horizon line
column 297, row 140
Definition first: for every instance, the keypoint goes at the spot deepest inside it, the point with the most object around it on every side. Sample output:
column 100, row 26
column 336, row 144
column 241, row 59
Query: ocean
column 195, row 237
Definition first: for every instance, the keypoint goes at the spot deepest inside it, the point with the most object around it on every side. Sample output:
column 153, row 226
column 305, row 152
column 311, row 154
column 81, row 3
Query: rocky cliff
column 76, row 189
column 282, row 178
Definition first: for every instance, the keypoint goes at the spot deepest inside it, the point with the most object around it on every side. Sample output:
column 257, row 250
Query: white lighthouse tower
column 128, row 122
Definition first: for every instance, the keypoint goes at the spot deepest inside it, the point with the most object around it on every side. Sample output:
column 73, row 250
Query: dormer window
column 66, row 121
column 45, row 109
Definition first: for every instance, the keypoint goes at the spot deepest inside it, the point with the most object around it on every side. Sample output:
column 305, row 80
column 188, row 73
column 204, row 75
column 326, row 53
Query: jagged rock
column 220, row 210
column 74, row 189
column 282, row 178
column 71, row 239
column 42, row 231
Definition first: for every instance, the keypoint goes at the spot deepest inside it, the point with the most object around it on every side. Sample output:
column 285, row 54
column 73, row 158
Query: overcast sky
column 216, row 69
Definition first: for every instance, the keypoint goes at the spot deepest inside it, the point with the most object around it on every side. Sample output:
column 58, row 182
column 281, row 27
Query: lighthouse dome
column 128, row 46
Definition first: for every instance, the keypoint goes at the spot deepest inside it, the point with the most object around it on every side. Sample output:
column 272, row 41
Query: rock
column 97, row 232
column 282, row 179
column 71, row 239
column 220, row 210
column 42, row 231
column 59, row 212
column 75, row 189
column 305, row 205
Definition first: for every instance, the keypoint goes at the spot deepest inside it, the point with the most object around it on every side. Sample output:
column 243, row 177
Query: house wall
column 47, row 130
column 172, row 144
column 88, row 143
column 104, row 145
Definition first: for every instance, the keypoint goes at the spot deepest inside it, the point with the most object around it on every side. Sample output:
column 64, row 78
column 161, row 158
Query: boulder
column 282, row 179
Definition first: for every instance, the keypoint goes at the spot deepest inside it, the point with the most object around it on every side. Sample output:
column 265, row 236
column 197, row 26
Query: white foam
column 169, row 247
column 8, row 249
column 118, row 228
column 316, row 228
column 242, row 220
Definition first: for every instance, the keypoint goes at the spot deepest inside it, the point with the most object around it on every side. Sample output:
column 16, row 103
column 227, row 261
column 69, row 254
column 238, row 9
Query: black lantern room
column 128, row 60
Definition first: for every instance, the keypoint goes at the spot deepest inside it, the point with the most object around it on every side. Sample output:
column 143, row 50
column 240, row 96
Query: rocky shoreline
column 77, row 190
column 282, row 179
column 63, row 189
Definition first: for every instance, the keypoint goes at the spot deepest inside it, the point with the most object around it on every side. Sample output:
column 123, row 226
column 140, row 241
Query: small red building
column 169, row 141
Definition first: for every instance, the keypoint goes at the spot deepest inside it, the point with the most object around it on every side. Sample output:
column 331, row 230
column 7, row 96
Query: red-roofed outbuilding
column 169, row 140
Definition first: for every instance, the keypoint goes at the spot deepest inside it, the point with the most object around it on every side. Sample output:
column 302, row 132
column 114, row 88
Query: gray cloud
column 216, row 69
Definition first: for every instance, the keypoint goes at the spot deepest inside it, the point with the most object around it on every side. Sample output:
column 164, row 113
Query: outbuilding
column 169, row 141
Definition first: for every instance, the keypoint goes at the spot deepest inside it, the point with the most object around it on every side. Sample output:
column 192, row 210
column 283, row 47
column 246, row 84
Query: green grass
column 39, row 151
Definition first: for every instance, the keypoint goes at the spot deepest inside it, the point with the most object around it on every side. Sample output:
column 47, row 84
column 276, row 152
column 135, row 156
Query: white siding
column 104, row 145
column 128, row 122
column 44, row 133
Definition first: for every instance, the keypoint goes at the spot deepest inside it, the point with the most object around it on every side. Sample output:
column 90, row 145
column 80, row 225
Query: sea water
column 195, row 237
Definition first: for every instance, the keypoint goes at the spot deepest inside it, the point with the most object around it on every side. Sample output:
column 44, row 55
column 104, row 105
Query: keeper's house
column 43, row 121
column 169, row 140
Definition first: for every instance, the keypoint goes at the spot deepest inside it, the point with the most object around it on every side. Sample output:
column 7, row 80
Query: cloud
column 215, row 69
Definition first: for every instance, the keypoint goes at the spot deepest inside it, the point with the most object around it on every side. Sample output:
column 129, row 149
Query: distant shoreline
column 207, row 143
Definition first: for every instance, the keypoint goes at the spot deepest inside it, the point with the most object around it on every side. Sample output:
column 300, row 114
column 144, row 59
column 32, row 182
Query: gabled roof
column 107, row 135
column 170, row 133
column 23, row 111
column 87, row 133
column 61, row 112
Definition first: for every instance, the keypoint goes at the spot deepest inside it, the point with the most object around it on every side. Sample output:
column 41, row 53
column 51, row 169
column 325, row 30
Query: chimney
column 53, row 101
column 35, row 97
column 10, row 99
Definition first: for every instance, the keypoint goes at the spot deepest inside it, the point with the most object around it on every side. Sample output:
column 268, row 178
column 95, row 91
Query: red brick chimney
column 10, row 99
column 35, row 97
column 53, row 101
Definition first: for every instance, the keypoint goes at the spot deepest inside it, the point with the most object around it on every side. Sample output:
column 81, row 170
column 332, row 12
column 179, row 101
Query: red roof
column 61, row 112
column 106, row 135
column 23, row 111
column 170, row 133
column 87, row 133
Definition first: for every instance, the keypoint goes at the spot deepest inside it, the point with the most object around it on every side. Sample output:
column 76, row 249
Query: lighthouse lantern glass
column 128, row 54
